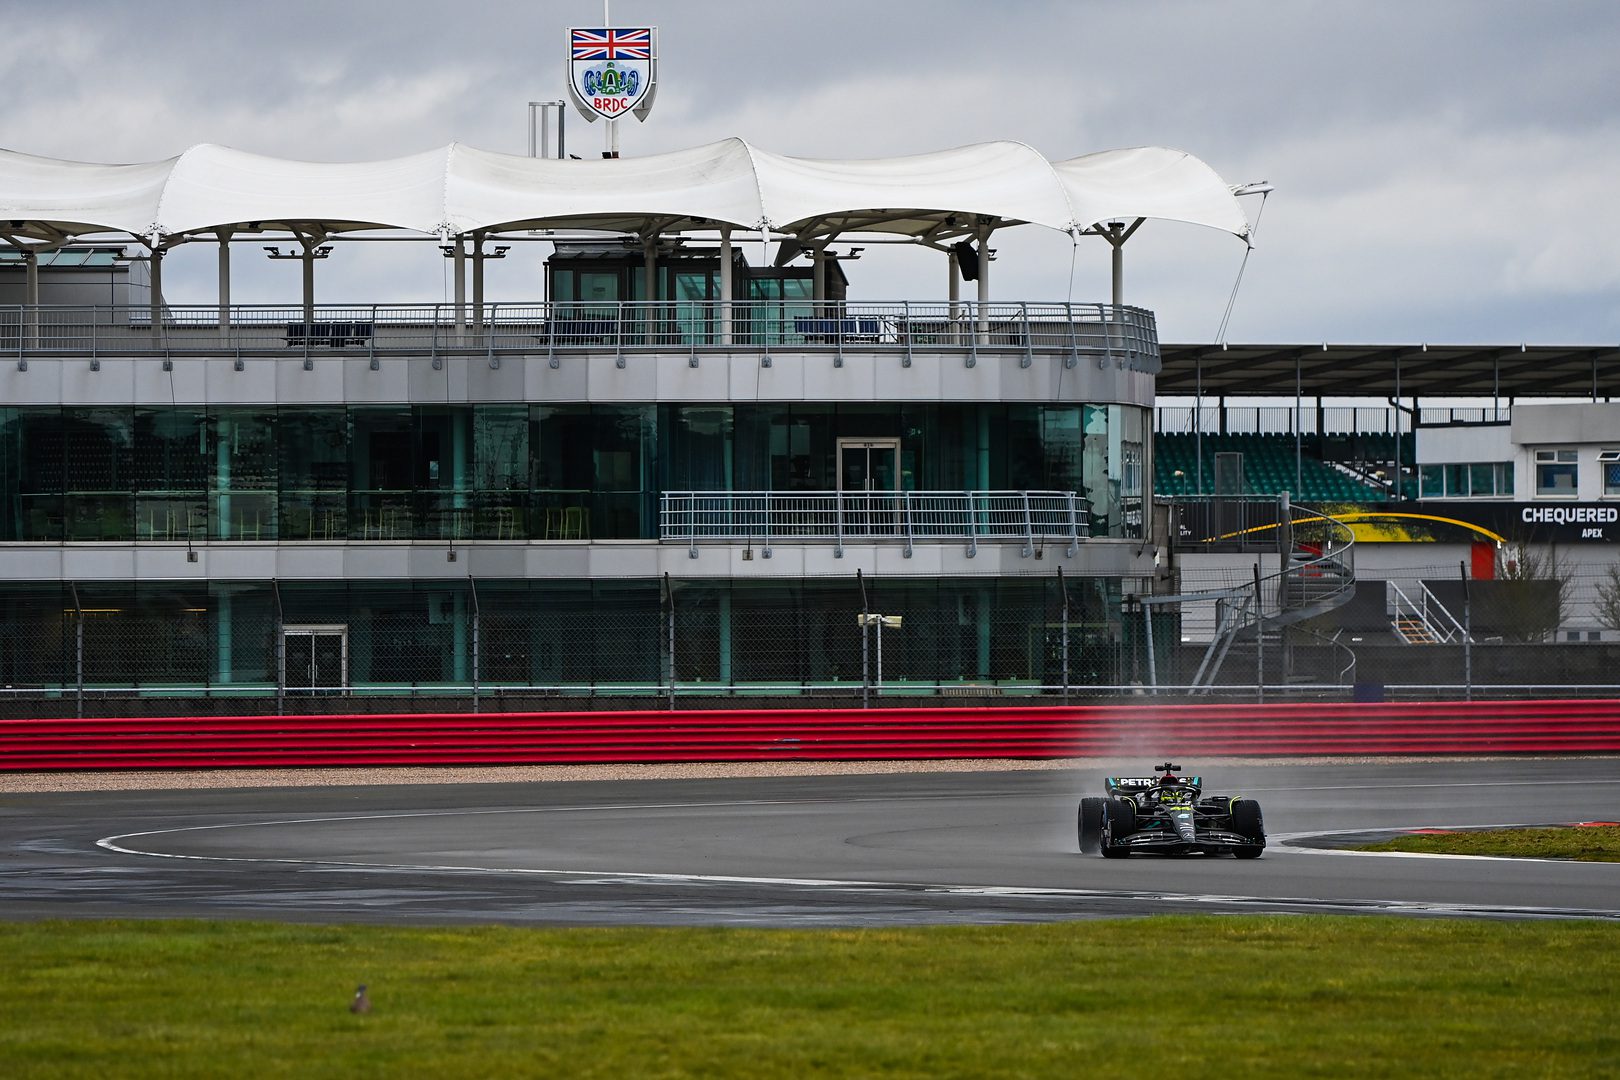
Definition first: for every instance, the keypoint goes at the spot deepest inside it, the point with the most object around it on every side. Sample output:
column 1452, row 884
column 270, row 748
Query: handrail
column 1404, row 606
column 905, row 517
column 1117, row 334
column 1459, row 632
column 1319, row 575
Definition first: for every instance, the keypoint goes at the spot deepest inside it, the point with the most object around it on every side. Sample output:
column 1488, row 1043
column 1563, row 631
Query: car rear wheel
column 1119, row 821
column 1248, row 823
column 1091, row 815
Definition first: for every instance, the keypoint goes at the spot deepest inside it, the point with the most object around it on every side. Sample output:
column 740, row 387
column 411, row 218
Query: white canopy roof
column 460, row 189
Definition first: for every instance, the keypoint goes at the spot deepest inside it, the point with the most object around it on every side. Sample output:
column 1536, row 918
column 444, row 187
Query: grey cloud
column 1444, row 168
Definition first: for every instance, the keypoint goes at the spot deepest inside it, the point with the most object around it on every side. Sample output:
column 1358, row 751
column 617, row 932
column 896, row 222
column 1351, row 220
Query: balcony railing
column 902, row 517
column 1112, row 335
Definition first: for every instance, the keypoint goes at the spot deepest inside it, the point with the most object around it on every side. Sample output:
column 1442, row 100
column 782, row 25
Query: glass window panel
column 243, row 475
column 563, row 286
column 443, row 472
column 98, row 465
column 1555, row 479
column 31, row 446
column 1060, row 443
column 599, row 287
column 313, row 459
column 500, row 472
column 168, row 454
column 1128, row 439
column 1611, row 478
column 1431, row 481
column 1457, row 481
column 620, row 459
column 700, row 448
column 1482, row 480
column 563, row 470
column 1100, row 493
column 382, row 474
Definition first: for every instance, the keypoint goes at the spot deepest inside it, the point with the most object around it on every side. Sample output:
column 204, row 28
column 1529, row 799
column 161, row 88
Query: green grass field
column 1208, row 996
column 1601, row 844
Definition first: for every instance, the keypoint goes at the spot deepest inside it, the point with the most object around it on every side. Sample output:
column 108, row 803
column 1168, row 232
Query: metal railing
column 1437, row 625
column 1119, row 335
column 905, row 517
column 1316, row 573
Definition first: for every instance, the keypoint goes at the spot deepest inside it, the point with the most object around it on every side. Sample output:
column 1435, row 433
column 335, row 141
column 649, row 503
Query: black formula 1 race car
column 1169, row 814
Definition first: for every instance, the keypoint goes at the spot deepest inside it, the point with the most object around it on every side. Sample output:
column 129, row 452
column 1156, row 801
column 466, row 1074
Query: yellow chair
column 576, row 523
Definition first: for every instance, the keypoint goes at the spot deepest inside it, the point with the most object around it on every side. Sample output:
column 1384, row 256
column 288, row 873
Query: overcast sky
column 1447, row 170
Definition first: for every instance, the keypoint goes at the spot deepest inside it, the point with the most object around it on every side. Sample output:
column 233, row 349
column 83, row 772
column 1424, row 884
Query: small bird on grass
column 361, row 1002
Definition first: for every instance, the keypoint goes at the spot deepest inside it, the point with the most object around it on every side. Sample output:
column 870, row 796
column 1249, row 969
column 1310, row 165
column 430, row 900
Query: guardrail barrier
column 1216, row 730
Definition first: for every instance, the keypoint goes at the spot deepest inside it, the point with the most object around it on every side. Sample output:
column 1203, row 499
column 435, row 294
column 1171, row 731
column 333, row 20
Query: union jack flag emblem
column 612, row 44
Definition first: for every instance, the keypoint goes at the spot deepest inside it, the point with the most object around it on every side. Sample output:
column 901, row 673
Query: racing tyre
column 1119, row 821
column 1247, row 822
column 1091, row 815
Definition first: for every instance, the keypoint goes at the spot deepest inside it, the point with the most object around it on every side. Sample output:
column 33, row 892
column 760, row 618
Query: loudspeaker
column 967, row 260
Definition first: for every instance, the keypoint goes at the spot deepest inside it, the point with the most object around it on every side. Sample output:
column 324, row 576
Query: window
column 1609, row 463
column 1474, row 480
column 1556, row 472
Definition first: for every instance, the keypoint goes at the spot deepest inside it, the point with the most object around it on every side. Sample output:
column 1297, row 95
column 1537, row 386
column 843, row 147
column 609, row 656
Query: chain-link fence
column 849, row 640
column 475, row 645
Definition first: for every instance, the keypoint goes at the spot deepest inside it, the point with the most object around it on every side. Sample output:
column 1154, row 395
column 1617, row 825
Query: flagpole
column 611, row 131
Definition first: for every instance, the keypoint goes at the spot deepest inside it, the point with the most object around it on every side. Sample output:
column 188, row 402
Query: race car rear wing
column 1131, row 785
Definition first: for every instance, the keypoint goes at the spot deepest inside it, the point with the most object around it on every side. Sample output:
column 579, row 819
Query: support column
column 460, row 633
column 155, row 301
column 649, row 269
column 982, row 668
column 954, row 293
column 1118, row 260
column 818, row 275
column 222, row 482
column 224, row 236
column 461, row 289
column 478, row 284
column 649, row 286
column 309, row 287
column 725, row 284
column 459, row 465
column 725, row 635
column 225, row 661
column 31, row 296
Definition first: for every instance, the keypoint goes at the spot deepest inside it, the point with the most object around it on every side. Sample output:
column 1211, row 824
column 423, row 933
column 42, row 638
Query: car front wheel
column 1091, row 815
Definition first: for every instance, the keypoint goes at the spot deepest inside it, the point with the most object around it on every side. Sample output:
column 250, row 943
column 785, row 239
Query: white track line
column 632, row 877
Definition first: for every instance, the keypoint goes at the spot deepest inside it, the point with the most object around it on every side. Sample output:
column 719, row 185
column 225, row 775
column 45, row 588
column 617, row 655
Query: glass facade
column 602, row 635
column 1475, row 480
column 519, row 472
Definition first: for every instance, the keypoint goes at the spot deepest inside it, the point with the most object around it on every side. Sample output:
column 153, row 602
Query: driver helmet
column 1169, row 780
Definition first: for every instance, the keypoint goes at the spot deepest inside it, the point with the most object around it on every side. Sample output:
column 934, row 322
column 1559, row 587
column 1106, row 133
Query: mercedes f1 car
column 1169, row 814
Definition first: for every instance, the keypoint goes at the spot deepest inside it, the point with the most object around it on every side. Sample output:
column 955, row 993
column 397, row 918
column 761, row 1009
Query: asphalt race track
column 848, row 850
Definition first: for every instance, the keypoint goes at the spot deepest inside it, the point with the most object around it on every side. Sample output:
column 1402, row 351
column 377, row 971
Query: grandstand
column 1331, row 469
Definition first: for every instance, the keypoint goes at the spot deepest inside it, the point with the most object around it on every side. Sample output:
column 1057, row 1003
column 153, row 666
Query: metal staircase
column 1424, row 621
column 1315, row 556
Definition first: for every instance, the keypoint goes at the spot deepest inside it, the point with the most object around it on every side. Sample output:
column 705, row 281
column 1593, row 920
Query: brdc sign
column 613, row 70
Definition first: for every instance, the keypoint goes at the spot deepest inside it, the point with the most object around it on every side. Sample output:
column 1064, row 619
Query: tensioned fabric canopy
column 458, row 189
